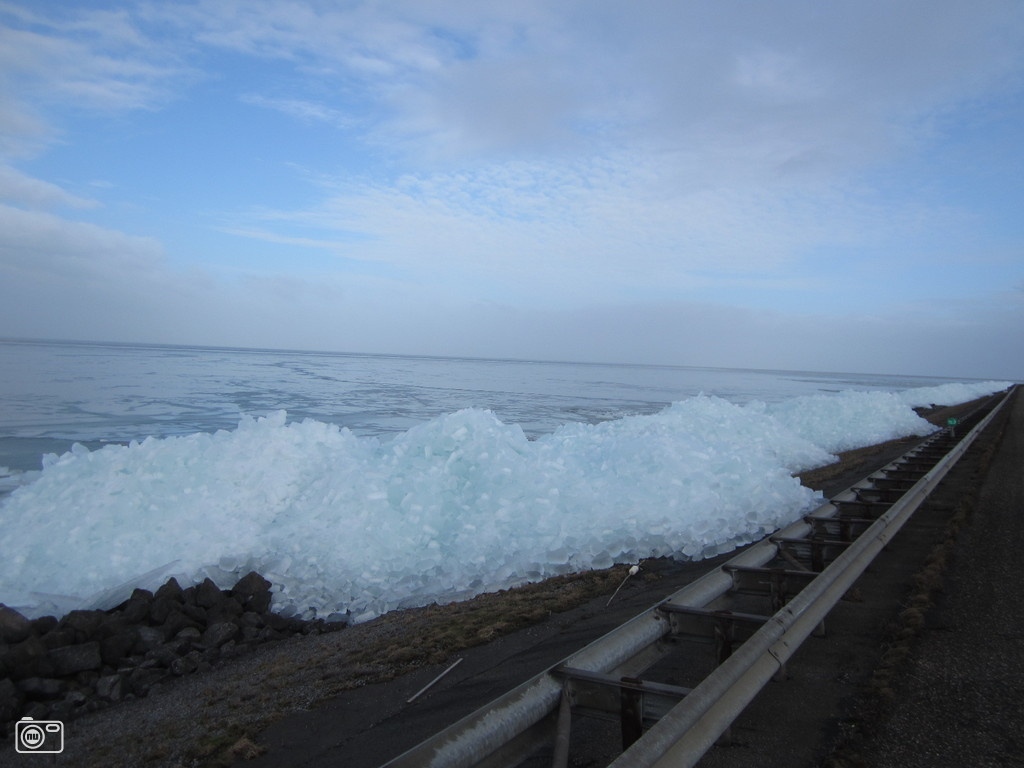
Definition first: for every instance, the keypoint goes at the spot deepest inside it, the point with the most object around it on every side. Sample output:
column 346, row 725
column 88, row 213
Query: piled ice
column 453, row 507
column 951, row 394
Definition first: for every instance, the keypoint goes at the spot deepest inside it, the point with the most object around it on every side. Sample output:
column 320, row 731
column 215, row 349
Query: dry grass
column 487, row 617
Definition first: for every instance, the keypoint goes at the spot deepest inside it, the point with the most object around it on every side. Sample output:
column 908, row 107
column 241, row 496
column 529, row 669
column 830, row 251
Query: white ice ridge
column 457, row 506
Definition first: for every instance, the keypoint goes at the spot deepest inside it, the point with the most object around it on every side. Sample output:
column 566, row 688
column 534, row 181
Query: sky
column 789, row 185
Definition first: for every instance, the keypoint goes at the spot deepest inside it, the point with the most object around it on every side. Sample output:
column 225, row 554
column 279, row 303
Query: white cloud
column 543, row 234
column 54, row 249
column 16, row 187
column 81, row 58
column 300, row 109
column 612, row 147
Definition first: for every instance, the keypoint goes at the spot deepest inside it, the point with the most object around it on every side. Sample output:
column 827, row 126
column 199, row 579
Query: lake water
column 53, row 394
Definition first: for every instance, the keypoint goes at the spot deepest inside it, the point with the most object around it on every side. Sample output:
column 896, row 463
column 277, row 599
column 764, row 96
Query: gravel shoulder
column 957, row 698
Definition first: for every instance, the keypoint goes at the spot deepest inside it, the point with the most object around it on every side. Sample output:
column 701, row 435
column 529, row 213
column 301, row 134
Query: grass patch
column 451, row 628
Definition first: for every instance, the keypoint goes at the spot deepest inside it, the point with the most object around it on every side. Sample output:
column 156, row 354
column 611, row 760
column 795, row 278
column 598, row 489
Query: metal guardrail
column 538, row 712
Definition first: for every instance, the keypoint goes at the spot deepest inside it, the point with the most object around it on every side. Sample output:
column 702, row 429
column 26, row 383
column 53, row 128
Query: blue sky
column 821, row 186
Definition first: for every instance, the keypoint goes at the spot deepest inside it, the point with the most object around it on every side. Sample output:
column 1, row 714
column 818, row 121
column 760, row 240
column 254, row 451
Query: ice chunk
column 459, row 505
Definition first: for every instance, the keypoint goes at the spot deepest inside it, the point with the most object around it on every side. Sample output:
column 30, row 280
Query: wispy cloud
column 300, row 109
column 85, row 58
column 20, row 189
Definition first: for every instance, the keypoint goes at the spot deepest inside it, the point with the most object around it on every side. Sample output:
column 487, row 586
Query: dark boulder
column 176, row 622
column 228, row 609
column 187, row 664
column 170, row 590
column 42, row 688
column 28, row 659
column 208, row 594
column 14, row 628
column 84, row 624
column 10, row 700
column 76, row 658
column 44, row 624
column 191, row 634
column 112, row 687
column 148, row 639
column 135, row 609
column 142, row 679
column 217, row 635
column 58, row 638
column 250, row 619
column 115, row 647
column 194, row 612
column 254, row 591
column 162, row 607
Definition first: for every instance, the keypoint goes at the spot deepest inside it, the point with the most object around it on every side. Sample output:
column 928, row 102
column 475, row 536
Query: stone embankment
column 59, row 669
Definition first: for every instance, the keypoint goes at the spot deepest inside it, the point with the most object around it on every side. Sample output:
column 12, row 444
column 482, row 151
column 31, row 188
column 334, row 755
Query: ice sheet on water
column 453, row 507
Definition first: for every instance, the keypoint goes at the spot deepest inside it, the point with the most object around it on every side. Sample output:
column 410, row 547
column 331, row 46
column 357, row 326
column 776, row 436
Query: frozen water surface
column 350, row 504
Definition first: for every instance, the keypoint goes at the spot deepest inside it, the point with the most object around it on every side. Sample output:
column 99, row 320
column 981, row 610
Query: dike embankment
column 952, row 696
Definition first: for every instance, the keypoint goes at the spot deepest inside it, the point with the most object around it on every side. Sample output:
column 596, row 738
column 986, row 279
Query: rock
column 113, row 624
column 171, row 590
column 254, row 590
column 83, row 623
column 149, row 638
column 42, row 688
column 116, row 647
column 162, row 607
column 76, row 658
column 44, row 624
column 58, row 638
column 267, row 634
column 75, row 699
column 250, row 584
column 228, row 609
column 260, row 603
column 10, row 700
column 87, row 679
column 280, row 623
column 28, row 659
column 186, row 664
column 112, row 687
column 142, row 679
column 176, row 622
column 14, row 628
column 166, row 654
column 217, row 635
column 135, row 610
column 208, row 594
column 194, row 612
column 251, row 619
column 51, row 668
column 191, row 634
column 250, row 634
